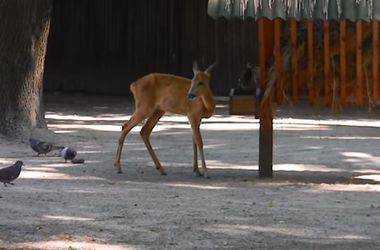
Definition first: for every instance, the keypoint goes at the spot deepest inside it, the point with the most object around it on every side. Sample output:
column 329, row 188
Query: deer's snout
column 191, row 96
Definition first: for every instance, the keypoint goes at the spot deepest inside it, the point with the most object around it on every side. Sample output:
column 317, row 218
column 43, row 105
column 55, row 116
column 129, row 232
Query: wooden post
column 311, row 65
column 376, row 62
column 266, row 119
column 359, row 64
column 278, row 61
column 327, row 63
column 343, row 62
column 295, row 76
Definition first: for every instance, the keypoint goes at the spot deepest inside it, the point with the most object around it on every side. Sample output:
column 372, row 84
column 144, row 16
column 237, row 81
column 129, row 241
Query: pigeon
column 9, row 174
column 41, row 147
column 67, row 153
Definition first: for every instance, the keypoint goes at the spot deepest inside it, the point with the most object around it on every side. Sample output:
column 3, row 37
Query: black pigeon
column 9, row 174
column 41, row 147
column 67, row 153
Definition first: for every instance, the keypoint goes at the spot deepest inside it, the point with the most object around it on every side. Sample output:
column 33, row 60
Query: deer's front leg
column 195, row 159
column 195, row 123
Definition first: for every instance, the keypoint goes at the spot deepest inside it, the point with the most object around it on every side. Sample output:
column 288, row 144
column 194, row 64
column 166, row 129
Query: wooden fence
column 334, row 64
column 103, row 45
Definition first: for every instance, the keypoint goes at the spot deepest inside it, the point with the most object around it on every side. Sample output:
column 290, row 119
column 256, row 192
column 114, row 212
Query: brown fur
column 156, row 94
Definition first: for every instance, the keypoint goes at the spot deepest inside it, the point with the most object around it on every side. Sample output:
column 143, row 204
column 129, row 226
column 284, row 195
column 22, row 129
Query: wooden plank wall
column 343, row 62
column 103, row 45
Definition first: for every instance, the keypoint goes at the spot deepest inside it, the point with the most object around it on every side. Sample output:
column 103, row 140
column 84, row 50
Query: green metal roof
column 353, row 10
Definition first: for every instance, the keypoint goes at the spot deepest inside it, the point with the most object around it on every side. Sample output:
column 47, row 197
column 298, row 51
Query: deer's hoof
column 117, row 165
column 161, row 170
column 198, row 173
column 205, row 175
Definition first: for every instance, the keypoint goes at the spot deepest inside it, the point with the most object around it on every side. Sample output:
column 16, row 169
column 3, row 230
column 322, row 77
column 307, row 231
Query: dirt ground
column 325, row 192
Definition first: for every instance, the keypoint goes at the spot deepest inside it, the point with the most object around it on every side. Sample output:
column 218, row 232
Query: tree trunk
column 24, row 29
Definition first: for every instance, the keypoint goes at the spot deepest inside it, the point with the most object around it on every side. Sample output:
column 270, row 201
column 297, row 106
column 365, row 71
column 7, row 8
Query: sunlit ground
column 169, row 123
column 325, row 191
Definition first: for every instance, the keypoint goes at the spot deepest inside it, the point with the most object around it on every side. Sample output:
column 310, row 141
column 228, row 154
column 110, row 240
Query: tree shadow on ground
column 328, row 153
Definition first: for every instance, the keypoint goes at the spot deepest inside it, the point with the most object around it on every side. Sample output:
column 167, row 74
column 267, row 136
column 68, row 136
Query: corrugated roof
column 353, row 10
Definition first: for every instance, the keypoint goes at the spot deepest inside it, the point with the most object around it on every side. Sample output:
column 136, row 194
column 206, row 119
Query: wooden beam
column 265, row 112
column 311, row 63
column 327, row 62
column 359, row 64
column 295, row 73
column 375, row 63
column 278, row 61
column 343, row 62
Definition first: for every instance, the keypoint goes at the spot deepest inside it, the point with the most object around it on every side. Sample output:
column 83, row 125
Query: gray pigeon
column 9, row 174
column 67, row 153
column 41, row 147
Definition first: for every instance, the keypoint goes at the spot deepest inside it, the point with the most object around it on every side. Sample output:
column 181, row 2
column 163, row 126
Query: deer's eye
column 200, row 84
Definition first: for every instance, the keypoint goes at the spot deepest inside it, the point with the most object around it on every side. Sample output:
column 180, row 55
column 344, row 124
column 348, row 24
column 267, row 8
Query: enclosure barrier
column 333, row 64
column 338, row 89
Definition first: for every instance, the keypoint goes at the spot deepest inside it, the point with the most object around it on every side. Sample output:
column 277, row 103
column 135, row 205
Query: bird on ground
column 41, row 147
column 67, row 153
column 9, row 174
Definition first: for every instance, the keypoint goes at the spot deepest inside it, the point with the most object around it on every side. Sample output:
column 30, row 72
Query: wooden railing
column 332, row 76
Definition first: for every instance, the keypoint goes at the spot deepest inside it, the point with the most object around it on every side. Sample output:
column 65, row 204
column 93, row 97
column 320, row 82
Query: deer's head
column 200, row 84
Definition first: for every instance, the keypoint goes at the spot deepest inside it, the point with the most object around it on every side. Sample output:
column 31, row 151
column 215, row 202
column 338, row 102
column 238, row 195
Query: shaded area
column 98, row 46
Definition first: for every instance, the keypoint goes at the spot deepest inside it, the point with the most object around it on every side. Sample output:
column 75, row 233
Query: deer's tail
column 132, row 87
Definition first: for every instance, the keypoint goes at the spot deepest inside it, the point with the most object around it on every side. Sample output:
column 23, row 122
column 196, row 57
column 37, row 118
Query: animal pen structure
column 326, row 51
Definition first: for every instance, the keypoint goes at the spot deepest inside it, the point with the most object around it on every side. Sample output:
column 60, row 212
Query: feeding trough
column 242, row 98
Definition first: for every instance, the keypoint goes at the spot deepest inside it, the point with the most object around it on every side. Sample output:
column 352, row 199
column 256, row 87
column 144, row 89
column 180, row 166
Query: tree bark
column 24, row 29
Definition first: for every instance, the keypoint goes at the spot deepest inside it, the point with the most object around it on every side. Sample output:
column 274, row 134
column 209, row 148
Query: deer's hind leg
column 145, row 134
column 127, row 127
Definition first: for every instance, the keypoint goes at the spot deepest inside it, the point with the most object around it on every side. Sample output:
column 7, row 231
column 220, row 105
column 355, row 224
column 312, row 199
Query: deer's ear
column 195, row 67
column 210, row 68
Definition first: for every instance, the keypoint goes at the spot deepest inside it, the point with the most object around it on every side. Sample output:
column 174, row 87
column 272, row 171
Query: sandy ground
column 325, row 193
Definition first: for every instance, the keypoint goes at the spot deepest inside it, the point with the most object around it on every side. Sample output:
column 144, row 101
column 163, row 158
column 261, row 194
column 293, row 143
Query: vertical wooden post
column 266, row 119
column 327, row 63
column 375, row 63
column 278, row 61
column 310, row 64
column 343, row 62
column 295, row 73
column 359, row 64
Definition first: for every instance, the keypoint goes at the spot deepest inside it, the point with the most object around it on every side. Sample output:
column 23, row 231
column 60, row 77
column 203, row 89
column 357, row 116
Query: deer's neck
column 209, row 104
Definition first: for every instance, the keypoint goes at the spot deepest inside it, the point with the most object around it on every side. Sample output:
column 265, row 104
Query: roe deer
column 156, row 94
